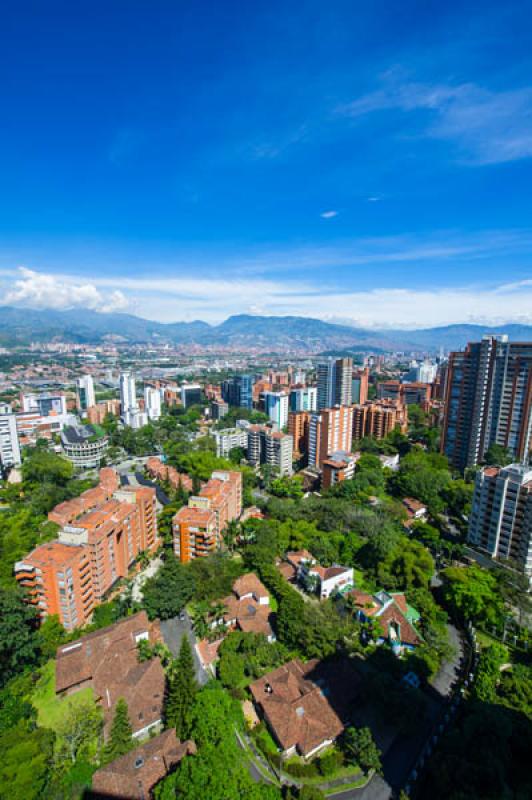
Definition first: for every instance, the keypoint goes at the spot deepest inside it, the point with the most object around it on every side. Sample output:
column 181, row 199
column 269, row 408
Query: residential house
column 397, row 619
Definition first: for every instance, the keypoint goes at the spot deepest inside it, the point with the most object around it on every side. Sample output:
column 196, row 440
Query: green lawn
column 50, row 708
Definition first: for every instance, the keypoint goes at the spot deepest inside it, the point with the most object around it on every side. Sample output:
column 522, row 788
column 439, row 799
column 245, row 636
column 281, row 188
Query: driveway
column 376, row 789
column 450, row 670
column 162, row 497
column 140, row 579
column 173, row 631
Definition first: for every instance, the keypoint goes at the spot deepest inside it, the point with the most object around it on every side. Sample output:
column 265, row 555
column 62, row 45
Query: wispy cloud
column 328, row 214
column 488, row 126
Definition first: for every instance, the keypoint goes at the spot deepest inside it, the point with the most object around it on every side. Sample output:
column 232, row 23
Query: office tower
column 85, row 392
column 269, row 447
column 238, row 391
column 128, row 393
column 334, row 382
column 219, row 409
column 329, row 430
column 276, row 407
column 9, row 444
column 191, row 395
column 152, row 402
column 298, row 429
column 360, row 385
column 501, row 514
column 304, row 399
column 378, row 419
column 488, row 400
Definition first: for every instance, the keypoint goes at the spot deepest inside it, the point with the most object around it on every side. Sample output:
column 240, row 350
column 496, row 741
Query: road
column 173, row 631
column 450, row 670
column 162, row 497
column 376, row 789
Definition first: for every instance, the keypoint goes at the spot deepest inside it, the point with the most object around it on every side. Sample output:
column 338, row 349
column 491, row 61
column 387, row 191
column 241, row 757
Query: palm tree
column 231, row 534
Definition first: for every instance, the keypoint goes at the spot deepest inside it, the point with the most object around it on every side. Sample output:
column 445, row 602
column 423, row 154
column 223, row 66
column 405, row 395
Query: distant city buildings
column 488, row 400
column 501, row 515
column 191, row 395
column 131, row 413
column 152, row 402
column 422, row 373
column 360, row 385
column 266, row 446
column 304, row 399
column 44, row 404
column 407, row 393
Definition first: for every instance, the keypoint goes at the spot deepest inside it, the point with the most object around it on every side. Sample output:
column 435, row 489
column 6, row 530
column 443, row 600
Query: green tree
column 167, row 592
column 120, row 738
column 360, row 748
column 26, row 763
column 18, row 642
column 471, row 593
column 77, row 732
column 50, row 636
column 182, row 688
column 497, row 455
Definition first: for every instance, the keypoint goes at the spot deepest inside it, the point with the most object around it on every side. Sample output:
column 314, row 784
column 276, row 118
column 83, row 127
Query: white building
column 276, row 407
column 229, row 438
column 9, row 444
column 152, row 402
column 45, row 403
column 269, row 447
column 128, row 392
column 84, row 445
column 85, row 392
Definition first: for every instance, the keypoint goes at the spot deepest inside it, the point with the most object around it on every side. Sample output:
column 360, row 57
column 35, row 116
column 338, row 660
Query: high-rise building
column 329, row 430
column 191, row 395
column 85, row 392
column 152, row 402
column 360, row 385
column 335, row 382
column 198, row 528
column 488, row 400
column 501, row 514
column 219, row 409
column 298, row 428
column 270, row 447
column 238, row 391
column 276, row 407
column 409, row 393
column 378, row 419
column 304, row 399
column 128, row 393
column 9, row 444
column 229, row 438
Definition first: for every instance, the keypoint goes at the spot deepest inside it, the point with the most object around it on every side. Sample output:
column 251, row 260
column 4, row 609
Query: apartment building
column 198, row 528
column 270, row 447
column 488, row 400
column 407, row 393
column 338, row 467
column 9, row 444
column 298, row 429
column 329, row 431
column 501, row 514
column 45, row 403
column 159, row 471
column 276, row 407
column 152, row 402
column 228, row 439
column 360, row 385
column 335, row 382
column 105, row 528
column 379, row 419
column 97, row 414
column 219, row 409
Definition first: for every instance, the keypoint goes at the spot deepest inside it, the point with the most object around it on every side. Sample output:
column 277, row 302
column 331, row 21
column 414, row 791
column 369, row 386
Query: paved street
column 450, row 670
column 376, row 789
column 173, row 631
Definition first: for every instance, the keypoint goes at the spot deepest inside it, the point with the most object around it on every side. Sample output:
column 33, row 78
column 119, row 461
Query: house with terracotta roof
column 416, row 511
column 107, row 661
column 397, row 619
column 296, row 709
column 135, row 775
column 247, row 609
column 314, row 578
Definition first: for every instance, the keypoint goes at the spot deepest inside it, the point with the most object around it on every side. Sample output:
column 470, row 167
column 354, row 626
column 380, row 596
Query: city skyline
column 339, row 163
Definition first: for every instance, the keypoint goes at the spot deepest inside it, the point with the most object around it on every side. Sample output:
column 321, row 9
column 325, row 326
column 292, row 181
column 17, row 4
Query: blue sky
column 369, row 162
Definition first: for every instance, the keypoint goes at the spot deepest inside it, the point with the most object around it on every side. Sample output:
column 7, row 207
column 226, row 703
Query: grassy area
column 51, row 709
column 362, row 583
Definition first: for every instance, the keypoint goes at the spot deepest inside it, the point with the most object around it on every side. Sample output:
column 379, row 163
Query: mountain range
column 246, row 332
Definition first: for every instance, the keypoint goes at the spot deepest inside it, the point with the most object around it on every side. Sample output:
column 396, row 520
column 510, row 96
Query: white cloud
column 489, row 127
column 39, row 290
column 328, row 214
